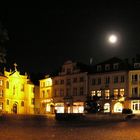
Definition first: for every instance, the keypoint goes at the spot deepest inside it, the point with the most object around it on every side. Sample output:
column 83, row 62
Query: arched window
column 106, row 107
column 118, row 107
column 22, row 103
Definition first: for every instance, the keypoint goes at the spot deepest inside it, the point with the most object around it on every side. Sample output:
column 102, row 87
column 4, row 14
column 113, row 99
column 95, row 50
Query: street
column 44, row 128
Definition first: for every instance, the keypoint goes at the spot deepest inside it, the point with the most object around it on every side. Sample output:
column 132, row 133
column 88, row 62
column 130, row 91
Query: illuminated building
column 16, row 93
column 109, row 81
column 45, row 95
column 70, row 88
column 134, row 87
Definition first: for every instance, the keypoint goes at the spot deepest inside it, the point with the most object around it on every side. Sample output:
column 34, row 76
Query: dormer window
column 99, row 68
column 116, row 66
column 136, row 65
column 107, row 67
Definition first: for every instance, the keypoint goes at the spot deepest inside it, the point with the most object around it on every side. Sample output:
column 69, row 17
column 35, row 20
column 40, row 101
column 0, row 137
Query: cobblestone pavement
column 44, row 128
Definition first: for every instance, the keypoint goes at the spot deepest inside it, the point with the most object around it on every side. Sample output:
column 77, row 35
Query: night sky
column 44, row 35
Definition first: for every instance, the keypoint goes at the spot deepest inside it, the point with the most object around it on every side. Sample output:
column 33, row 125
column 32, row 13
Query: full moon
column 112, row 39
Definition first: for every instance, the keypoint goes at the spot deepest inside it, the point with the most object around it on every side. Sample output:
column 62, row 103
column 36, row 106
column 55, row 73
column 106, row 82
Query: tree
column 3, row 38
column 91, row 104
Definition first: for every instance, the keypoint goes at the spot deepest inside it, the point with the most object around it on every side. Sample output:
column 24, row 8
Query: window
column 99, row 68
column 93, row 82
column 115, row 93
column 81, row 79
column 134, row 78
column 56, row 93
column 33, row 89
column 1, row 92
column 61, row 92
column 14, row 90
column 33, row 101
column 107, row 94
column 61, row 82
column 68, row 81
column 75, row 80
column 1, row 82
column 99, row 81
column 122, row 92
column 7, row 102
column 81, row 90
column 56, row 82
column 116, row 79
column 136, row 106
column 22, row 87
column 107, row 67
column 115, row 66
column 93, row 93
column 67, row 92
column 75, row 91
column 99, row 93
column 1, row 105
column 122, row 79
column 136, row 65
column 43, row 93
column 48, row 93
column 106, row 107
column 107, row 80
column 22, row 103
column 135, row 92
column 7, row 85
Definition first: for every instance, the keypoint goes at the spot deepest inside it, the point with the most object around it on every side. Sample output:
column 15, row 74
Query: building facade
column 16, row 93
column 109, row 82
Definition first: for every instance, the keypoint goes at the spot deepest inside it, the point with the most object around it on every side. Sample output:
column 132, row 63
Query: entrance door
column 118, row 107
column 15, row 108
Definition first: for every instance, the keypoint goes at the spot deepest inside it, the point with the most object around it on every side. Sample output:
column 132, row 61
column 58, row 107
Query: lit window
column 107, row 94
column 121, row 92
column 1, row 105
column 115, row 93
column 106, row 107
column 93, row 93
column 1, row 82
column 99, row 93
